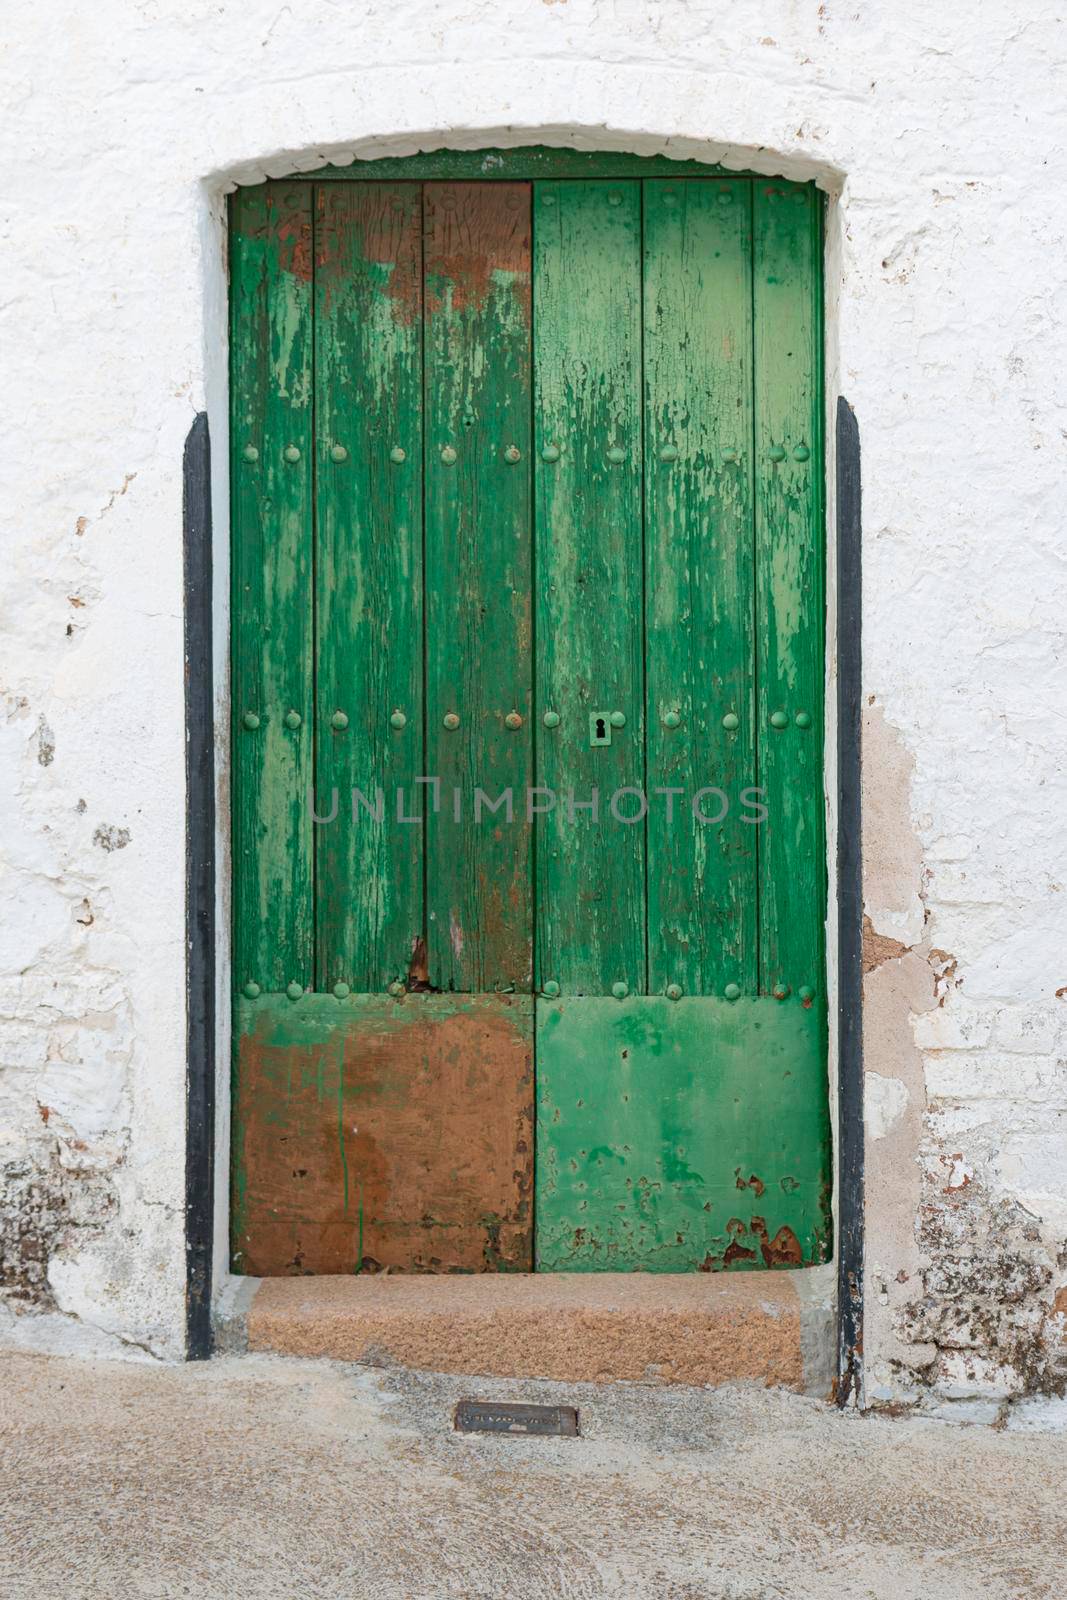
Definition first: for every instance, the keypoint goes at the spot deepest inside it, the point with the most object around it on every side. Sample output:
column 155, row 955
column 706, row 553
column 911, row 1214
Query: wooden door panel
column 507, row 458
column 381, row 1133
column 271, row 671
column 479, row 632
column 699, row 556
column 679, row 1136
column 587, row 336
column 789, row 587
column 368, row 581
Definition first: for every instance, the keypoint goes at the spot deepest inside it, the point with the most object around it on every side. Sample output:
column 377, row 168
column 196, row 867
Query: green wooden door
column 529, row 882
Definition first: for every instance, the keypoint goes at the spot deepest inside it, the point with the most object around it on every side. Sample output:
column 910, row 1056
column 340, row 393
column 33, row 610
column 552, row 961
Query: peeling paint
column 878, row 947
column 46, row 743
column 463, row 273
column 884, row 1103
column 49, row 1207
column 294, row 249
column 109, row 837
column 962, row 1276
column 986, row 1307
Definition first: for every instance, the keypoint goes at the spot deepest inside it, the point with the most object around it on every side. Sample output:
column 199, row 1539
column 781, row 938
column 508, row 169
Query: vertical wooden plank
column 789, row 585
column 478, row 581
column 368, row 579
column 699, row 566
column 588, row 494
column 271, row 271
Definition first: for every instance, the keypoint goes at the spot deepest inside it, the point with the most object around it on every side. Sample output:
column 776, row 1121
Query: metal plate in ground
column 489, row 1416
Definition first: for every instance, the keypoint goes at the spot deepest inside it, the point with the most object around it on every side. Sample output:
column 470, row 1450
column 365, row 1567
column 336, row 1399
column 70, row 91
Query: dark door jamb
column 199, row 892
column 849, row 915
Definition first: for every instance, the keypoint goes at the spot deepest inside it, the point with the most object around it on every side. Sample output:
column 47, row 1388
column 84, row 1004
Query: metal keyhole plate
column 599, row 727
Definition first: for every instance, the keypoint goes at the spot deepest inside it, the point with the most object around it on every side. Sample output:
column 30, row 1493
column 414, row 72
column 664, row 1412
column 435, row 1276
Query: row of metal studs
column 550, row 452
column 551, row 719
column 550, row 990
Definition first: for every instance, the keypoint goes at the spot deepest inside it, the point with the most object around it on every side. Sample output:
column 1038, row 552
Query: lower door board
column 376, row 1133
column 681, row 1135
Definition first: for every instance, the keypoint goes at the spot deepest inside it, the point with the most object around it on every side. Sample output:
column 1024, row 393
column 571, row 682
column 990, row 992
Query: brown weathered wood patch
column 382, row 1134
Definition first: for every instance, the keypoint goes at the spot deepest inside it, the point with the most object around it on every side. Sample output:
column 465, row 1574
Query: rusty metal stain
column 474, row 239
column 418, row 969
column 384, row 1135
column 783, row 1250
column 294, row 238
column 375, row 229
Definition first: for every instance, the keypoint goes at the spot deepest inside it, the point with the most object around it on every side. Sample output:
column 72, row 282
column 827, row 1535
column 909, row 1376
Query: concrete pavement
column 257, row 1477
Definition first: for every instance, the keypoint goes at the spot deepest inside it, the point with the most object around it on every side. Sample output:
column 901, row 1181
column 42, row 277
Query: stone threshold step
column 773, row 1328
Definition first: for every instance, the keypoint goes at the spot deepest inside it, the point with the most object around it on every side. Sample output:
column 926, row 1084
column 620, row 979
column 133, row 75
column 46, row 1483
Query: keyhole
column 599, row 727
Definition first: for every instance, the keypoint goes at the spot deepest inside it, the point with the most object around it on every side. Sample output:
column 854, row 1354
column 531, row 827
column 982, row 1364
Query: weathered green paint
column 479, row 645
column 523, row 164
column 789, row 583
column 372, row 1132
column 680, row 1135
column 587, row 374
column 699, row 584
column 271, row 660
column 437, row 512
column 368, row 578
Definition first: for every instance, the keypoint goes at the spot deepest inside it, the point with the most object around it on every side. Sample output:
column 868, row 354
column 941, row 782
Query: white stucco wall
column 939, row 132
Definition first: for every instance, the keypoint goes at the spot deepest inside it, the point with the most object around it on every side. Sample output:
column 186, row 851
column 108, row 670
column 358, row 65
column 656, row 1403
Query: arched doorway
column 528, row 594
